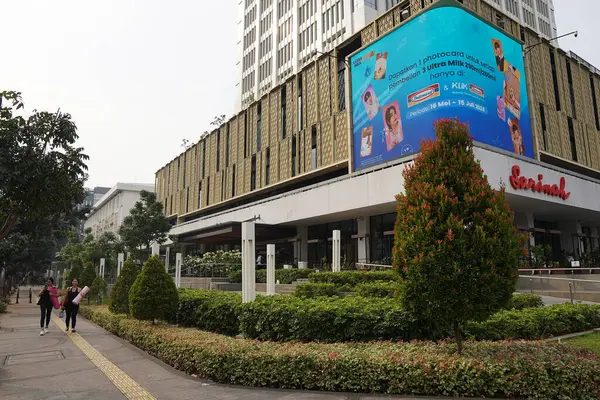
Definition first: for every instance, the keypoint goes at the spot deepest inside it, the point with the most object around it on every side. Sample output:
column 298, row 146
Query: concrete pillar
column 248, row 263
column 363, row 227
column 594, row 242
column 102, row 266
column 270, row 269
column 167, row 259
column 301, row 244
column 567, row 229
column 178, row 262
column 336, row 254
column 120, row 261
column 128, row 255
column 155, row 249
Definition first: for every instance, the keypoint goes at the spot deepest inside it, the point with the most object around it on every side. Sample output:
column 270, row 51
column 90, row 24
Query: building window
column 233, row 181
column 199, row 194
column 203, row 159
column 595, row 102
column 187, row 201
column 218, row 149
column 313, row 147
column 222, row 185
column 208, row 190
column 543, row 120
column 227, row 139
column 572, row 139
column 555, row 79
column 300, row 122
column 245, row 135
column 283, row 111
column 571, row 91
column 341, row 85
column 171, row 205
column 294, row 155
column 253, row 173
column 259, row 126
column 268, row 167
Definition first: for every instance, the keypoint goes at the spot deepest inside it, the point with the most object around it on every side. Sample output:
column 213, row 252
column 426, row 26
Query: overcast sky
column 138, row 76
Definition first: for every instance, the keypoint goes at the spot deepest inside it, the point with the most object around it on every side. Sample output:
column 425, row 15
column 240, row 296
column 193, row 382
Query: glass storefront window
column 382, row 238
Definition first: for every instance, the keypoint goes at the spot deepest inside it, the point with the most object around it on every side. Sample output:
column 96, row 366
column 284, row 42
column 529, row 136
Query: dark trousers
column 46, row 312
column 71, row 310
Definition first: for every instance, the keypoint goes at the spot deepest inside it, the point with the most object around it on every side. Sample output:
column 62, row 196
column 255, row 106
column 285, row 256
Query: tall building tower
column 276, row 38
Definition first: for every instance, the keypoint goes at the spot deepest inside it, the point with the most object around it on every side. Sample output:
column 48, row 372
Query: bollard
column 571, row 291
column 18, row 290
column 30, row 295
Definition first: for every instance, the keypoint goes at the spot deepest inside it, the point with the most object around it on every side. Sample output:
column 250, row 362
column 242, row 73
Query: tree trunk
column 458, row 337
column 6, row 228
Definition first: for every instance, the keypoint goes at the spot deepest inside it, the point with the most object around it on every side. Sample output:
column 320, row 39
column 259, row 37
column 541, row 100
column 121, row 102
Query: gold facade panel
column 368, row 34
column 327, row 142
column 274, row 120
column 341, row 136
column 290, row 107
column 385, row 24
column 310, row 82
column 324, row 77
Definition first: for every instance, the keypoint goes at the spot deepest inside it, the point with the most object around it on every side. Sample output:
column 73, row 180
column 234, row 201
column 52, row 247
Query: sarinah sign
column 523, row 183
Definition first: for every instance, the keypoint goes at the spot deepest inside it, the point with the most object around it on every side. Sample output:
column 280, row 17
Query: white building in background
column 108, row 213
column 276, row 38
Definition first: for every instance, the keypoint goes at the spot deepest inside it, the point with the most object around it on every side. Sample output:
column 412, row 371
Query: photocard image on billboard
column 370, row 102
column 392, row 125
column 366, row 144
column 512, row 90
column 380, row 65
column 500, row 108
column 516, row 135
column 499, row 54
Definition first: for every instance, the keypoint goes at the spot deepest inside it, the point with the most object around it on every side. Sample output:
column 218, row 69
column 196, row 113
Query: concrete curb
column 559, row 339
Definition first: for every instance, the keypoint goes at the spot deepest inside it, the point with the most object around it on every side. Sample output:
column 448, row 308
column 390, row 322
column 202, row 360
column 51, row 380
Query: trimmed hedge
column 327, row 319
column 311, row 290
column 537, row 323
column 285, row 276
column 377, row 289
column 520, row 301
column 213, row 311
column 353, row 278
column 501, row 369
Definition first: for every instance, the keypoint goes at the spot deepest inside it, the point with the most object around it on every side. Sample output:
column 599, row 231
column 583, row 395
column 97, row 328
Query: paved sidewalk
column 75, row 366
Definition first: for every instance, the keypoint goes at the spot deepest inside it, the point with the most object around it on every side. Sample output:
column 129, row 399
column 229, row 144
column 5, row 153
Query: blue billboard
column 445, row 63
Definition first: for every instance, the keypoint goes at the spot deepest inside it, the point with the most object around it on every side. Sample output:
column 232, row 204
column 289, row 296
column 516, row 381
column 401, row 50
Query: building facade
column 287, row 160
column 277, row 38
column 108, row 213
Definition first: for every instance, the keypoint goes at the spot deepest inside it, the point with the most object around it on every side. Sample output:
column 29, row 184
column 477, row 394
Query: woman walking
column 70, row 307
column 45, row 304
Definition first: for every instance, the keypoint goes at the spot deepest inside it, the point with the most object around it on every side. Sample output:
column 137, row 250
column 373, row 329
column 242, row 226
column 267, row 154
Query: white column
column 248, row 263
column 128, row 255
column 335, row 260
column 167, row 259
column 178, row 262
column 155, row 249
column 57, row 283
column 301, row 243
column 362, row 225
column 270, row 269
column 102, row 265
column 120, row 260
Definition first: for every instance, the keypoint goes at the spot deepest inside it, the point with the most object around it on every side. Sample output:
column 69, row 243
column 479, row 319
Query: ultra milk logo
column 424, row 94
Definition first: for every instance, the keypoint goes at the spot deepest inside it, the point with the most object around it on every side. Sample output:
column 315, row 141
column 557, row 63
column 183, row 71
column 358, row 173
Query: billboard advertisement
column 445, row 63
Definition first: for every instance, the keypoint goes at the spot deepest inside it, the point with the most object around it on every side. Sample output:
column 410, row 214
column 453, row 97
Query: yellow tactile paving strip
column 130, row 388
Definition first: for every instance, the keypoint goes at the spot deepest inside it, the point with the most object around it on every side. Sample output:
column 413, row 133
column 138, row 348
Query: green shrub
column 87, row 276
column 284, row 276
column 377, row 289
column 328, row 319
column 119, row 296
column 352, row 278
column 524, row 300
column 536, row 323
column 74, row 273
column 3, row 306
column 485, row 370
column 98, row 289
column 153, row 295
column 311, row 290
column 213, row 311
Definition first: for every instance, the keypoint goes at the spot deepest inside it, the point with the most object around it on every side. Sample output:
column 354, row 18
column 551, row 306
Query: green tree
column 119, row 296
column 153, row 295
column 456, row 244
column 98, row 289
column 88, row 275
column 145, row 224
column 42, row 172
column 74, row 273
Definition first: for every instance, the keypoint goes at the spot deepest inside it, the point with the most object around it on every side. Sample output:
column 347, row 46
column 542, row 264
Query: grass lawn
column 590, row 341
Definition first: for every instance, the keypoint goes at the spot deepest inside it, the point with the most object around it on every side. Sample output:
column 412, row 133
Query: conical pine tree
column 456, row 244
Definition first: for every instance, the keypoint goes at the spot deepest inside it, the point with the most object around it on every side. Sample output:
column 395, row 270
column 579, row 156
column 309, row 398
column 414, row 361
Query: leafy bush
column 213, row 311
column 311, row 290
column 98, row 289
column 153, row 295
column 3, row 306
column 352, row 278
column 328, row 319
column 524, row 300
column 486, row 369
column 119, row 296
column 214, row 263
column 74, row 273
column 88, row 275
column 536, row 323
column 284, row 276
column 377, row 289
